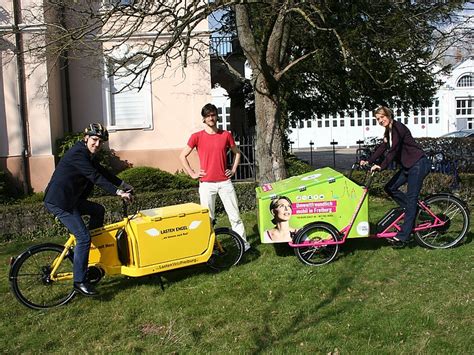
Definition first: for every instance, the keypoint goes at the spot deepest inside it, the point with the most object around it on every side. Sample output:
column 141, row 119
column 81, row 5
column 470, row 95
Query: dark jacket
column 403, row 149
column 75, row 176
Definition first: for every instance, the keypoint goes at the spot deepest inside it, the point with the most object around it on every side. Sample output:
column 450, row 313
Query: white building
column 452, row 109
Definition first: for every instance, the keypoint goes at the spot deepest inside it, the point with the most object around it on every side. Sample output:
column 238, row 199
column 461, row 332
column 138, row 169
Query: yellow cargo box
column 170, row 233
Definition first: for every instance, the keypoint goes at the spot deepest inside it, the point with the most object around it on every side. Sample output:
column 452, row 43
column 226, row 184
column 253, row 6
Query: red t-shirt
column 212, row 151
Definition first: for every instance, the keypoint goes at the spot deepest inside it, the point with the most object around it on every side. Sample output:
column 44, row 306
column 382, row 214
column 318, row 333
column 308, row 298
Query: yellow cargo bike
column 148, row 242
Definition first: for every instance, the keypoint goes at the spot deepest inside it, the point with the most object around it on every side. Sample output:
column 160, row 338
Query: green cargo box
column 321, row 195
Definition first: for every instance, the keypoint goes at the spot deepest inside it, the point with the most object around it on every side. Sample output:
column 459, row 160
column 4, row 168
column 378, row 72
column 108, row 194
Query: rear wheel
column 317, row 255
column 449, row 209
column 228, row 249
column 30, row 277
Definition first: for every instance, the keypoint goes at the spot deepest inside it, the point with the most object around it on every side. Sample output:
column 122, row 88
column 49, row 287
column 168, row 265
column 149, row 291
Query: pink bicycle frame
column 386, row 233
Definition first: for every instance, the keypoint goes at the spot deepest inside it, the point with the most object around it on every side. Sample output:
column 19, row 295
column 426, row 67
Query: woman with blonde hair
column 400, row 146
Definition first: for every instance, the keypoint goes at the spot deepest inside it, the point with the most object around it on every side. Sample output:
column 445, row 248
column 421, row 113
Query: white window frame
column 223, row 121
column 145, row 93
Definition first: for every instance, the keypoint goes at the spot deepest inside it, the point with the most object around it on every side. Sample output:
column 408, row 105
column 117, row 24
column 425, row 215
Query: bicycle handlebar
column 367, row 168
column 125, row 204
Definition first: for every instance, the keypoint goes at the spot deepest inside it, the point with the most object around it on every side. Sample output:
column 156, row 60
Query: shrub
column 106, row 157
column 148, row 179
column 296, row 166
column 32, row 221
column 434, row 183
column 3, row 186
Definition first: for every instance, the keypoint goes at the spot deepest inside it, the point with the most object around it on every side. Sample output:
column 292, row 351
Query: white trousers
column 207, row 194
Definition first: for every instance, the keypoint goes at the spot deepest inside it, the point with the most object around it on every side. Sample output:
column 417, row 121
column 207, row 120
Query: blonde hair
column 385, row 110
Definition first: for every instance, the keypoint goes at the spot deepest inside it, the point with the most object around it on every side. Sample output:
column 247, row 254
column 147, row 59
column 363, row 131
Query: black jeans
column 75, row 224
column 413, row 177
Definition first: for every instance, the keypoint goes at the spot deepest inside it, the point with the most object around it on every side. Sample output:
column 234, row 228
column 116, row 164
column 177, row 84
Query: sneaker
column 247, row 246
column 397, row 243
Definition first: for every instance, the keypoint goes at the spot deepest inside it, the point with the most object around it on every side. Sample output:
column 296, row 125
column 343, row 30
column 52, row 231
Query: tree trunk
column 269, row 142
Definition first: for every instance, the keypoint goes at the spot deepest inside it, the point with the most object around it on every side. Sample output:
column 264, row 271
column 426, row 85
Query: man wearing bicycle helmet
column 67, row 192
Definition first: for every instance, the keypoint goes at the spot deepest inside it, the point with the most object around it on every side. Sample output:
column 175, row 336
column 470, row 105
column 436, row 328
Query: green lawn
column 371, row 299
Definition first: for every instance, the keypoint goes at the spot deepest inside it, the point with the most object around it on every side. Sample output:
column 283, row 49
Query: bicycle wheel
column 449, row 209
column 316, row 255
column 228, row 249
column 30, row 277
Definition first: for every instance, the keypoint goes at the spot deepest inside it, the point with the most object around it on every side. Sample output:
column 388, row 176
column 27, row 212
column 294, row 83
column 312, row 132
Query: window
column 326, row 123
column 470, row 123
column 464, row 107
column 308, row 123
column 374, row 122
column 320, row 124
column 352, row 123
column 359, row 123
column 127, row 107
column 223, row 118
column 341, row 123
column 301, row 123
column 367, row 122
column 466, row 81
column 334, row 123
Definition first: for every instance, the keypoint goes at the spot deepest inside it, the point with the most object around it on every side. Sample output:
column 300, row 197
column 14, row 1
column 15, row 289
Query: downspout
column 67, row 82
column 25, row 171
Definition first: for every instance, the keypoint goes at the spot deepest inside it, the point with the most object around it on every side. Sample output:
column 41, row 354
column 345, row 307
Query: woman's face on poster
column 282, row 210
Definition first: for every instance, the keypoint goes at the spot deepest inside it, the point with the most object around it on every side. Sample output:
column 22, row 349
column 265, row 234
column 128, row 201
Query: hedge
column 29, row 221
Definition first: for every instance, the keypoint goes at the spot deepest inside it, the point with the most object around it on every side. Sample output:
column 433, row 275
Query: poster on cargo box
column 323, row 195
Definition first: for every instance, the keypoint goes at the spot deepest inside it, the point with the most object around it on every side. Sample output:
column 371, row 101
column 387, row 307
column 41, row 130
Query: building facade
column 452, row 109
column 42, row 99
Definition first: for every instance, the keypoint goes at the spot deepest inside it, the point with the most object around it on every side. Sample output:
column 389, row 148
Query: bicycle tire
column 450, row 209
column 228, row 249
column 317, row 255
column 30, row 282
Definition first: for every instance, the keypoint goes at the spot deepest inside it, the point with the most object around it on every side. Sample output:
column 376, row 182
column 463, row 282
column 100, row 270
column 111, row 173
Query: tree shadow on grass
column 309, row 316
column 123, row 283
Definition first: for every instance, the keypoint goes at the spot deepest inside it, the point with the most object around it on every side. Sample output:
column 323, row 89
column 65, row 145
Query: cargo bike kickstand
column 148, row 242
column 442, row 222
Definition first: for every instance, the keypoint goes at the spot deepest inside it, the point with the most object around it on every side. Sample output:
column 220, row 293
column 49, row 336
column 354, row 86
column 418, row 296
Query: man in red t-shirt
column 212, row 144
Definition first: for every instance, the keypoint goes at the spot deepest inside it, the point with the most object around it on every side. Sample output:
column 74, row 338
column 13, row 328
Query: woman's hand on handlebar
column 375, row 168
column 366, row 165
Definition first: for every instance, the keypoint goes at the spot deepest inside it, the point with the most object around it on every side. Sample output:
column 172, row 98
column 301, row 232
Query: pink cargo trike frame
column 442, row 222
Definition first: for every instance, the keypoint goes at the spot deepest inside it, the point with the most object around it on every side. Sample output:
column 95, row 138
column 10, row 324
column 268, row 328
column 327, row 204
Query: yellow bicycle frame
column 157, row 240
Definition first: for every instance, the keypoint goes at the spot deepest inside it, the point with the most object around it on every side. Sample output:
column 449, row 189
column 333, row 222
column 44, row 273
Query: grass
column 371, row 299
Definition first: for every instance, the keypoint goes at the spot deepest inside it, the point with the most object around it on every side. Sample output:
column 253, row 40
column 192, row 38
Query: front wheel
column 317, row 255
column 456, row 217
column 30, row 277
column 228, row 249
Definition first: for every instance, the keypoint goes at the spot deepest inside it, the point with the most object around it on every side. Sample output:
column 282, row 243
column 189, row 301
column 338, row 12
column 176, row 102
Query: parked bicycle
column 147, row 242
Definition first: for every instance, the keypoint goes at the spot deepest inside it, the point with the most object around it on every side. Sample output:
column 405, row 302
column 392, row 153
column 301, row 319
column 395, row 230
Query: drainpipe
column 67, row 83
column 22, row 97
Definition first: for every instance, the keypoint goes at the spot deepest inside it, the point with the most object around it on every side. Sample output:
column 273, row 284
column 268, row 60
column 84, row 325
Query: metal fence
column 246, row 168
column 222, row 46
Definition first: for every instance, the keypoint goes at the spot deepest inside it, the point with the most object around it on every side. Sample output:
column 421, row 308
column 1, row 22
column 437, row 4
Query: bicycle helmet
column 96, row 129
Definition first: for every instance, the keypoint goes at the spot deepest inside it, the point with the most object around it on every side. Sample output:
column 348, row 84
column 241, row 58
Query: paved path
column 322, row 157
